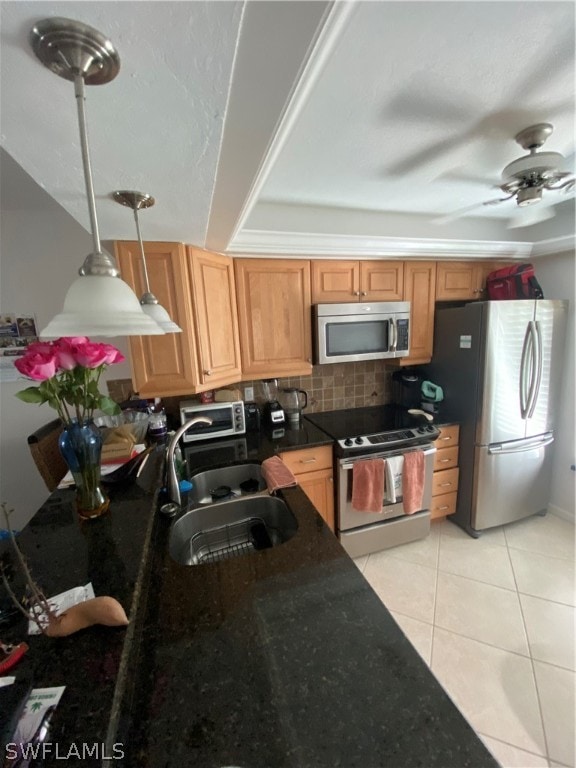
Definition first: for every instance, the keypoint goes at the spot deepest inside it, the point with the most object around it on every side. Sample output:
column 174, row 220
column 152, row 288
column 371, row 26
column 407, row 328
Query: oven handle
column 345, row 463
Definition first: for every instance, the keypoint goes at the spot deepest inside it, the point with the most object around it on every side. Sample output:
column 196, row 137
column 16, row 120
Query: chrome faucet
column 173, row 485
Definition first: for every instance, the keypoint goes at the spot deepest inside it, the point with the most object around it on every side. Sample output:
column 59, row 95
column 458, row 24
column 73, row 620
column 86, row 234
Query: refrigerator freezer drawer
column 510, row 484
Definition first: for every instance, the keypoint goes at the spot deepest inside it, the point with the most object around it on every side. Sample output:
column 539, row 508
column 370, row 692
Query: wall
column 41, row 252
column 557, row 275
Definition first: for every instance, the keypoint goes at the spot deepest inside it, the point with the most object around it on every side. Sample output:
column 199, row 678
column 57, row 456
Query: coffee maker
column 273, row 412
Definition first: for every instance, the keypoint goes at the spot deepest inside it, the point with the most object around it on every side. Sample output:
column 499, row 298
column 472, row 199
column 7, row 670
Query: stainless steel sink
column 215, row 485
column 227, row 529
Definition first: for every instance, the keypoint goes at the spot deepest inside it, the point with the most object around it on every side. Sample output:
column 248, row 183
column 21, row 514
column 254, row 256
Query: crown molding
column 255, row 241
column 554, row 245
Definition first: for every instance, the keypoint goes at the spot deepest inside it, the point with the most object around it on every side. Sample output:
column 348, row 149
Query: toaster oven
column 227, row 419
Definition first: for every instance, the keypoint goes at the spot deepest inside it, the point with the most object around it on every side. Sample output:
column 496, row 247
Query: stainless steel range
column 387, row 432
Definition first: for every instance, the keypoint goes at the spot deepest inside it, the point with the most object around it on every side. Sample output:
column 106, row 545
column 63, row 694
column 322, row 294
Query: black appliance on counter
column 407, row 388
column 252, row 417
column 387, row 432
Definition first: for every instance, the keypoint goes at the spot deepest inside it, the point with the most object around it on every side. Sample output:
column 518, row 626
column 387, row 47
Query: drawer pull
column 446, row 438
column 445, row 485
column 307, row 461
column 444, row 461
column 444, row 506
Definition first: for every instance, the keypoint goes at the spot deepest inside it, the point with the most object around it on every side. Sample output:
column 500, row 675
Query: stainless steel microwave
column 351, row 332
column 227, row 419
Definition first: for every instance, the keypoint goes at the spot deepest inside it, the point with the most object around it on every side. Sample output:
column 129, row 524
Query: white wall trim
column 251, row 241
column 562, row 513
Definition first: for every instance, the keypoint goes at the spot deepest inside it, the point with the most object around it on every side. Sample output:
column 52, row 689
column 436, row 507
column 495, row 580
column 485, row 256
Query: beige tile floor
column 494, row 619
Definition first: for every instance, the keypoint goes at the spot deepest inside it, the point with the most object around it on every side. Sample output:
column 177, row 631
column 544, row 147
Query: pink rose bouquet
column 68, row 370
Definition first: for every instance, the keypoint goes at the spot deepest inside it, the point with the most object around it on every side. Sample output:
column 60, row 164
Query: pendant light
column 149, row 302
column 99, row 302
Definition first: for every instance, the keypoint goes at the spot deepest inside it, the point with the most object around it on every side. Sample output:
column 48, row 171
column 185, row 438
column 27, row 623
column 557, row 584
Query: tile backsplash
column 329, row 387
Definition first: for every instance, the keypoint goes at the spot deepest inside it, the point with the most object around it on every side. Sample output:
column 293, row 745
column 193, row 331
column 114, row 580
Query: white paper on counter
column 35, row 709
column 60, row 603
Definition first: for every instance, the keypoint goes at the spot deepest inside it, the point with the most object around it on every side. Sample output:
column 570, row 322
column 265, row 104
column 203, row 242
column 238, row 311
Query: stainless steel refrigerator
column 500, row 366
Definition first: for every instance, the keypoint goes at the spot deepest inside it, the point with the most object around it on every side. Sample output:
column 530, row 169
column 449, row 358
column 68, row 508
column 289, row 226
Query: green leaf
column 31, row 395
column 108, row 406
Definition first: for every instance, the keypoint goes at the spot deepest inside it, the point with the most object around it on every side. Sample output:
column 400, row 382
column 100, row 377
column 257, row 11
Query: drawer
column 443, row 505
column 448, row 436
column 308, row 459
column 446, row 458
column 445, row 481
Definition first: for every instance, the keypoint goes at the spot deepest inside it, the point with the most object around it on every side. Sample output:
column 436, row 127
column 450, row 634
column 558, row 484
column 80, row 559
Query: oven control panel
column 392, row 438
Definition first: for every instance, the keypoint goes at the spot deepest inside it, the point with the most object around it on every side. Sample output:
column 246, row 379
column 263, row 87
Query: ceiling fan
column 527, row 177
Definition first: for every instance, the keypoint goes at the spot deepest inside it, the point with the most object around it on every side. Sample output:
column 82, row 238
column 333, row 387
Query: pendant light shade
column 99, row 302
column 149, row 302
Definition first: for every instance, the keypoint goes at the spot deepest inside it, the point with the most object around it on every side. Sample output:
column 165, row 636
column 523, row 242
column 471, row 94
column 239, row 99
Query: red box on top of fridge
column 515, row 282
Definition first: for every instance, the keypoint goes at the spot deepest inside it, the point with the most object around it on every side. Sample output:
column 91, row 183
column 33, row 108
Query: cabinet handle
column 356, row 293
column 445, row 438
column 444, row 506
column 207, row 373
column 443, row 461
column 445, row 485
column 307, row 461
column 364, row 293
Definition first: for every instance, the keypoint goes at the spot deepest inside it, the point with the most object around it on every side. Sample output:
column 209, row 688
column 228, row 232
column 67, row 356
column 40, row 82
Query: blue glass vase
column 81, row 447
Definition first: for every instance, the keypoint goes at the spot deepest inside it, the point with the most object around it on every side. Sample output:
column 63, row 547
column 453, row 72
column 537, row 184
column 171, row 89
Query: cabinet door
column 419, row 290
column 381, row 280
column 456, row 281
column 213, row 287
column 319, row 487
column 273, row 297
column 162, row 365
column 334, row 281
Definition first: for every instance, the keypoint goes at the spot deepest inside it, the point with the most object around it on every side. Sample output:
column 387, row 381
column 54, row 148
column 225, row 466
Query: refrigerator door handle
column 527, row 371
column 537, row 346
column 524, row 445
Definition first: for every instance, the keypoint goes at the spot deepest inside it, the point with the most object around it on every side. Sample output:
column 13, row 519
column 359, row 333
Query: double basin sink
column 229, row 514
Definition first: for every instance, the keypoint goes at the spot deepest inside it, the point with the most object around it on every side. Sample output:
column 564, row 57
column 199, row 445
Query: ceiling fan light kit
column 149, row 302
column 99, row 302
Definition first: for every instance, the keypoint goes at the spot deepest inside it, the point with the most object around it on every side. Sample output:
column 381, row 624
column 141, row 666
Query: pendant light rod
column 79, row 92
column 149, row 302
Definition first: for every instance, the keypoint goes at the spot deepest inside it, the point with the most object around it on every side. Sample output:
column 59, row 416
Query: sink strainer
column 228, row 541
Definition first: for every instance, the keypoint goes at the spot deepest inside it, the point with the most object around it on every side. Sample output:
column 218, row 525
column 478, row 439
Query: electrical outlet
column 248, row 394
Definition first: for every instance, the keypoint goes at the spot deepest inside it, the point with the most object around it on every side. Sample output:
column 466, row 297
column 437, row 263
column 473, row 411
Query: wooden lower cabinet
column 274, row 316
column 313, row 469
column 445, row 479
column 419, row 290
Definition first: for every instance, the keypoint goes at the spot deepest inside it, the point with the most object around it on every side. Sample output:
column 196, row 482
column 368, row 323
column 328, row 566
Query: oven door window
column 222, row 419
column 359, row 337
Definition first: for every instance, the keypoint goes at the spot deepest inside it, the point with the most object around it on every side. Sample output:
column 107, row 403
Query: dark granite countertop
column 284, row 657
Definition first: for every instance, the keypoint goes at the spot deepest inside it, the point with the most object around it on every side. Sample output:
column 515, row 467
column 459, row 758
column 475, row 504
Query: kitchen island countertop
column 285, row 657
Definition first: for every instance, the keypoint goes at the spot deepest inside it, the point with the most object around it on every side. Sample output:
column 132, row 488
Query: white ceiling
column 298, row 126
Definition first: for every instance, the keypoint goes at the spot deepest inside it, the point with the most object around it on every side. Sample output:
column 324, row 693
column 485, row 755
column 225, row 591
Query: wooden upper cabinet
column 162, row 365
column 464, row 280
column 211, row 283
column 197, row 290
column 347, row 281
column 273, row 298
column 419, row 289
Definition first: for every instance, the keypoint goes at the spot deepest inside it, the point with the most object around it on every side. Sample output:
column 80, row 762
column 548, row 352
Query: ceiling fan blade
column 426, row 103
column 527, row 217
column 463, row 211
column 431, row 162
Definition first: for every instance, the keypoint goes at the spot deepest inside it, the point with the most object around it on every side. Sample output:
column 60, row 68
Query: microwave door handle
column 394, row 334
